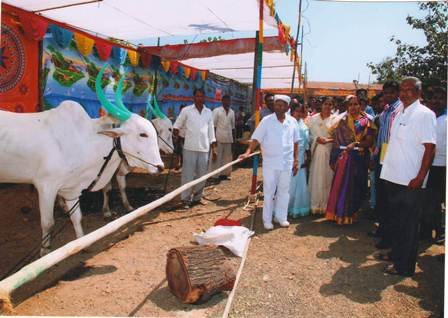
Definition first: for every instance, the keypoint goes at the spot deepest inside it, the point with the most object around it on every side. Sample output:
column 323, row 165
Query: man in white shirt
column 405, row 169
column 278, row 136
column 197, row 122
column 224, row 122
column 437, row 173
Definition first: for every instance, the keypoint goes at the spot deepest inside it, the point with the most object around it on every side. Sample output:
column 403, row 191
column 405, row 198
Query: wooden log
column 196, row 273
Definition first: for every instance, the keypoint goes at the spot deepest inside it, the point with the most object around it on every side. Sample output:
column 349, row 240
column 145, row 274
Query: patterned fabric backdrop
column 69, row 73
column 18, row 68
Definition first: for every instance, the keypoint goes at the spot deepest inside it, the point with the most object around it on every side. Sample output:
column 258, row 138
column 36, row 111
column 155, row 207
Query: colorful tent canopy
column 132, row 20
column 277, row 68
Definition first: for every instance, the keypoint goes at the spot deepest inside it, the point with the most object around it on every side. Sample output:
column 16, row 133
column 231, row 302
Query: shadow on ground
column 362, row 279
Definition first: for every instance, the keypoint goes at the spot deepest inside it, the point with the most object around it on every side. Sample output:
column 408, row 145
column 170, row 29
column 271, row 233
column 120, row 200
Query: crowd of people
column 327, row 157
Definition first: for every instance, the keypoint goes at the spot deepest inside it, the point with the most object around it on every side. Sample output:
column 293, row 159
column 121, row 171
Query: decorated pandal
column 62, row 51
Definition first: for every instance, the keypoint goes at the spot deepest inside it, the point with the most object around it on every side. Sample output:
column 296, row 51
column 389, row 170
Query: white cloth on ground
column 233, row 237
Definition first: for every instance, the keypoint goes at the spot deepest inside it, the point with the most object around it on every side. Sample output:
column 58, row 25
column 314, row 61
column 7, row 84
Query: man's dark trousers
column 383, row 214
column 436, row 189
column 404, row 205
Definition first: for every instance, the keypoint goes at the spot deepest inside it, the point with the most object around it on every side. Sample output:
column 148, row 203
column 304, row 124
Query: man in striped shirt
column 391, row 90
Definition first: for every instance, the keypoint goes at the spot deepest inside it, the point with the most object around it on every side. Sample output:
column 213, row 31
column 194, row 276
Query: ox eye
column 144, row 135
column 170, row 129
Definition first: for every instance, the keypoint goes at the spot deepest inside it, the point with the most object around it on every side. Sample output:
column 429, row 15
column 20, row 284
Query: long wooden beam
column 38, row 267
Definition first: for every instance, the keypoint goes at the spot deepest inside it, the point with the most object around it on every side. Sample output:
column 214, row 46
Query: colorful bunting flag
column 104, row 49
column 133, row 57
column 187, row 71
column 84, row 44
column 61, row 36
column 165, row 65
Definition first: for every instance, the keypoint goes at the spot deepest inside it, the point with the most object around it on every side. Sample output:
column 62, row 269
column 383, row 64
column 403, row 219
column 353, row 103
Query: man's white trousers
column 276, row 194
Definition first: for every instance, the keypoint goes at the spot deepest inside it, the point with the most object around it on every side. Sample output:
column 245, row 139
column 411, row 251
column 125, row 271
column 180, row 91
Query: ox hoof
column 107, row 215
column 130, row 208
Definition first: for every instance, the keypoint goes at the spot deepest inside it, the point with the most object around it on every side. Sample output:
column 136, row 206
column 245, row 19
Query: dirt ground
column 313, row 268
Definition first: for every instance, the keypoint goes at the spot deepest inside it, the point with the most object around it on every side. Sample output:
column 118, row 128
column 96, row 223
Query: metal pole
column 295, row 48
column 66, row 6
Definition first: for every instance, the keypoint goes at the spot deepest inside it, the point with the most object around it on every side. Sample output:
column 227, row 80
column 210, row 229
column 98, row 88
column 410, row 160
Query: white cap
column 284, row 98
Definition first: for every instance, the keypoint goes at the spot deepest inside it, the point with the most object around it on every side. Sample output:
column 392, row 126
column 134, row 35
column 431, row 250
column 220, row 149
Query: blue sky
column 342, row 37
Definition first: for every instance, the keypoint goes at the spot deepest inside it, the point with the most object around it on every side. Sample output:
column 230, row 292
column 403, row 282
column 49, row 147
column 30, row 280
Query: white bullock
column 61, row 151
column 164, row 129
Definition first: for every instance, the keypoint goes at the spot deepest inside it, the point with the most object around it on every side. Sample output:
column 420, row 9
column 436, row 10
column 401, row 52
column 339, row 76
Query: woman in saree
column 321, row 175
column 299, row 196
column 352, row 136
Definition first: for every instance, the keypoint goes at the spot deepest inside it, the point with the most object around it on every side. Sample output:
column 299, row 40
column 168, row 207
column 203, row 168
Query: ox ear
column 112, row 133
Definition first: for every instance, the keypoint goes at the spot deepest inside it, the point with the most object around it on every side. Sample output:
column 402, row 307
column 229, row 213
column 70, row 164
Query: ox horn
column 157, row 110
column 119, row 95
column 110, row 108
column 149, row 108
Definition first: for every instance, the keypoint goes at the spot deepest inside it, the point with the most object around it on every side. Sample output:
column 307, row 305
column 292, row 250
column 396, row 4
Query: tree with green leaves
column 429, row 62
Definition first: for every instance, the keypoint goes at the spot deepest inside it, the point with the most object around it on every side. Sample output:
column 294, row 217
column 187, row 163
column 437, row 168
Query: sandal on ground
column 391, row 270
column 385, row 257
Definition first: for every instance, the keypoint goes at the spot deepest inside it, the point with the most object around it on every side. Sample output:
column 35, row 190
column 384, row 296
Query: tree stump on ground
column 196, row 273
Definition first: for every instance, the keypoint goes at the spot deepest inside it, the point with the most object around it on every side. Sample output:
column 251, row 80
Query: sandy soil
column 312, row 269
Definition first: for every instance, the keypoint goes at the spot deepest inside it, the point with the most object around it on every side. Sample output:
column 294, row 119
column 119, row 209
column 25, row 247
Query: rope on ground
column 240, row 269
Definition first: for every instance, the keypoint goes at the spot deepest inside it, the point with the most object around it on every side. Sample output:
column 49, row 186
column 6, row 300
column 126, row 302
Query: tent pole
column 301, row 59
column 254, row 80
column 256, row 110
column 295, row 48
column 305, row 84
column 258, row 61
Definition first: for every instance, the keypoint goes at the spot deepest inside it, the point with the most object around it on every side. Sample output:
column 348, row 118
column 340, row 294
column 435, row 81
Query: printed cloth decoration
column 119, row 54
column 193, row 74
column 281, row 34
column 165, row 65
column 204, row 75
column 34, row 26
column 173, row 67
column 146, row 59
column 61, row 36
column 187, row 71
column 155, row 62
column 271, row 7
column 84, row 44
column 133, row 57
column 104, row 49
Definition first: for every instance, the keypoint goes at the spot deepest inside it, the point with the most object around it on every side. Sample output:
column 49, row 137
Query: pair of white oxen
column 61, row 151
